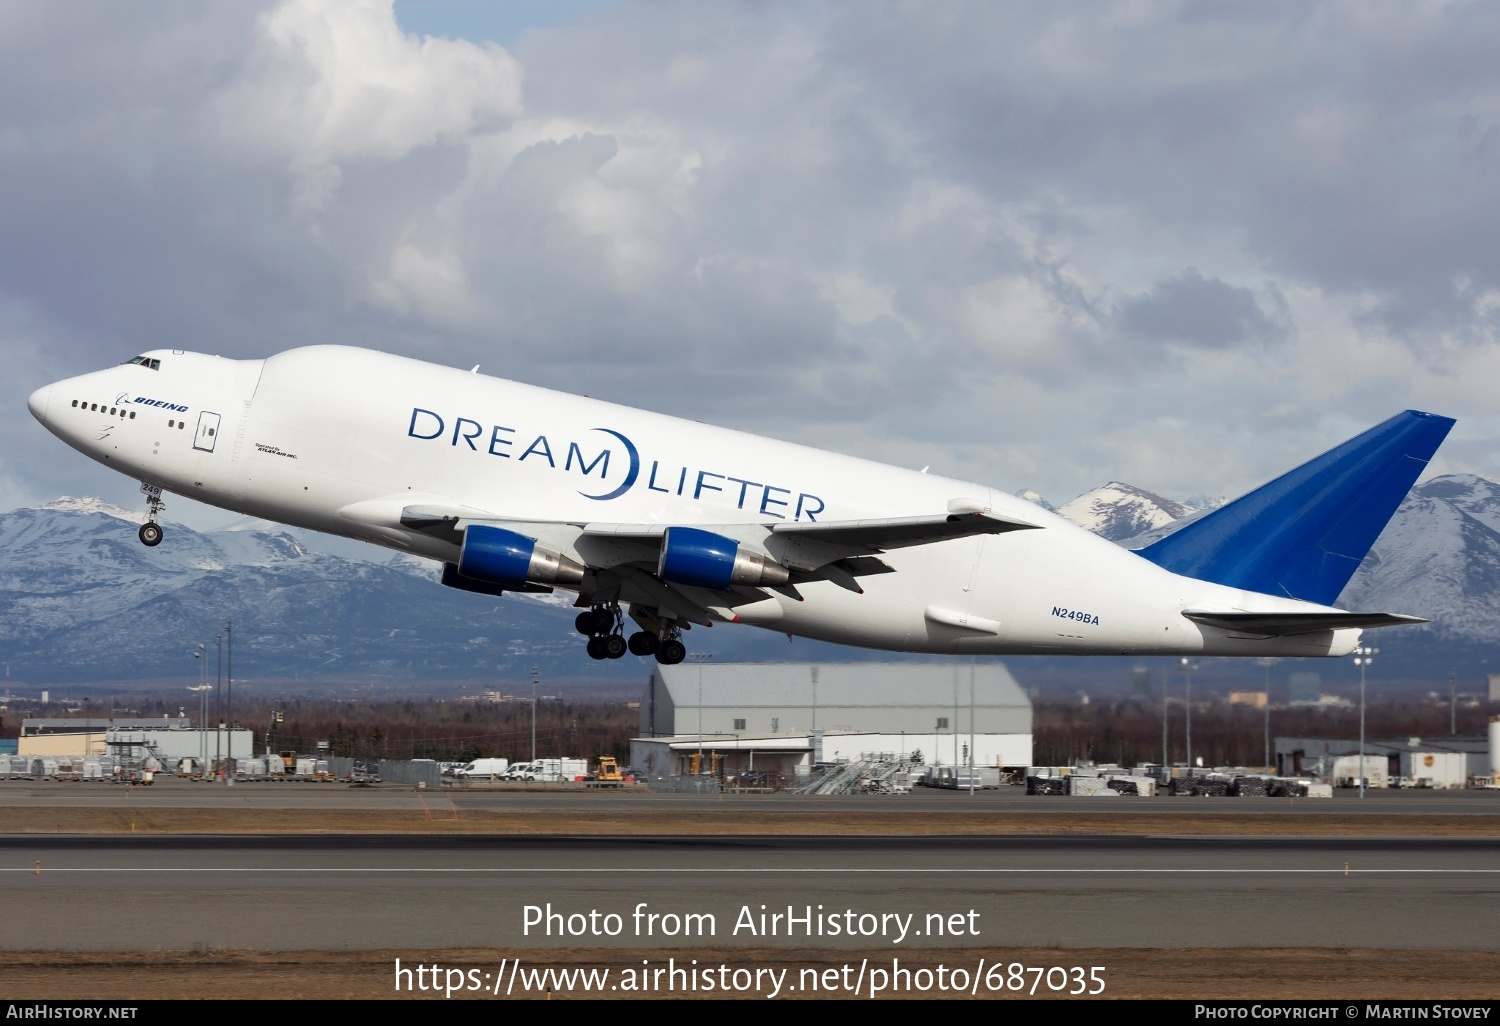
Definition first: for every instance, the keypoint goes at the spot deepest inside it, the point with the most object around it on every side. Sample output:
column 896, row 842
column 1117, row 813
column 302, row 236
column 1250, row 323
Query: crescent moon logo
column 630, row 476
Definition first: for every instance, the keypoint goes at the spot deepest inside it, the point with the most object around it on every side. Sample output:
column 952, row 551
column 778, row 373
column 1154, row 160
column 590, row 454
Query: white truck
column 479, row 769
column 548, row 770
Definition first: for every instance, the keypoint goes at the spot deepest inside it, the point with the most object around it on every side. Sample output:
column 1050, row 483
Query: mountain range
column 1439, row 558
column 82, row 600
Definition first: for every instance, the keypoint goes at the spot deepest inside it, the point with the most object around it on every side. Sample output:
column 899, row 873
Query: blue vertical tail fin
column 1304, row 534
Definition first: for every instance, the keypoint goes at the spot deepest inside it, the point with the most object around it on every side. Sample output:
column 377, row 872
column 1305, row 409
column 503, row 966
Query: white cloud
column 332, row 80
column 1179, row 245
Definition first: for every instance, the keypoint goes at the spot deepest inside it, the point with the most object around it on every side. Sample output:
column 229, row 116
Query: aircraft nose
column 37, row 402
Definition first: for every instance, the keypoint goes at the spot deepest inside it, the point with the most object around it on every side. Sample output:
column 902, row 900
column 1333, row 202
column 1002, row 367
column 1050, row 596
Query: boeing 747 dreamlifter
column 673, row 523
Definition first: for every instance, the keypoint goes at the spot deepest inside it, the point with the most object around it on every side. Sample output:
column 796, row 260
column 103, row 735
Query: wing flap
column 900, row 532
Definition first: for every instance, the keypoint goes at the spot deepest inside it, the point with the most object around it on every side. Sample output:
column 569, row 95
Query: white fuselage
column 340, row 440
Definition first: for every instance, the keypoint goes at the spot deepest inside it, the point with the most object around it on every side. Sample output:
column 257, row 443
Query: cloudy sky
column 1183, row 245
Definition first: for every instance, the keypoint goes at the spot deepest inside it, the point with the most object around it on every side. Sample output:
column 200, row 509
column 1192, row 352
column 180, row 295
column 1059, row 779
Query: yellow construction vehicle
column 607, row 774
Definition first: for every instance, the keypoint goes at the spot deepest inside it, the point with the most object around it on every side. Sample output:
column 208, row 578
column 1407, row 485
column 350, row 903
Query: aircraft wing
column 1275, row 625
column 631, row 559
column 854, row 537
column 872, row 536
column 901, row 532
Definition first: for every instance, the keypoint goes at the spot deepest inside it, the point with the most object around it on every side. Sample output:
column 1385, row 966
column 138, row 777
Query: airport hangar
column 1446, row 761
column 168, row 738
column 786, row 717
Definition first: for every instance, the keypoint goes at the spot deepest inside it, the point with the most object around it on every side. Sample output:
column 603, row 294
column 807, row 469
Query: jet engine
column 703, row 559
column 497, row 556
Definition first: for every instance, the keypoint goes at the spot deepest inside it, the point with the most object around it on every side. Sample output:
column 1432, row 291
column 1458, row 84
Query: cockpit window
column 145, row 361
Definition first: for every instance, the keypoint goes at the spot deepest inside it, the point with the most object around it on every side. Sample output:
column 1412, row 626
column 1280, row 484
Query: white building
column 1445, row 762
column 784, row 717
column 169, row 739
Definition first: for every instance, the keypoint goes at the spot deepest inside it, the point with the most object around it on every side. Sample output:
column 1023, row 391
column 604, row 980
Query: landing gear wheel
column 583, row 623
column 614, row 646
column 596, row 649
column 643, row 643
column 671, row 652
column 150, row 534
column 604, row 619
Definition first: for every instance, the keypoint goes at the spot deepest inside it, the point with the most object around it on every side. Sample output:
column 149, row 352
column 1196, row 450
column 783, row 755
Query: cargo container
column 1092, row 787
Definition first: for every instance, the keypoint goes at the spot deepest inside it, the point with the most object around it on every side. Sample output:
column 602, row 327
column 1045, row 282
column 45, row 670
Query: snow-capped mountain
column 1120, row 511
column 1031, row 496
column 82, row 599
column 1440, row 558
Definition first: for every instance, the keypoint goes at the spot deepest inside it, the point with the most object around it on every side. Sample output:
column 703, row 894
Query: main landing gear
column 603, row 625
column 150, row 532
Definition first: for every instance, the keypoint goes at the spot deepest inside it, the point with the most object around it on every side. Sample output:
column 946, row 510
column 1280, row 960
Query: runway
column 337, row 893
column 179, row 794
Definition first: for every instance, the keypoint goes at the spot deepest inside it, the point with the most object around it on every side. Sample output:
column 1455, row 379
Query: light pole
column 533, row 713
column 202, row 690
column 1364, row 655
column 971, row 726
column 1188, row 666
column 1166, row 702
column 1265, row 663
column 814, row 699
column 955, row 721
column 229, row 697
column 700, row 658
column 219, row 703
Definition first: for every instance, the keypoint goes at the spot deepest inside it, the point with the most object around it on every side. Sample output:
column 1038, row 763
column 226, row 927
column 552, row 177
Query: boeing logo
column 585, row 459
column 123, row 400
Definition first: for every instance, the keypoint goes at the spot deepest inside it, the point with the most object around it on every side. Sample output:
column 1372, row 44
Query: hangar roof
column 890, row 685
column 82, row 725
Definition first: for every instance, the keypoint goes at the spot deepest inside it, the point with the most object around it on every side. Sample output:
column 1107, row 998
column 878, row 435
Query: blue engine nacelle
column 497, row 556
column 703, row 559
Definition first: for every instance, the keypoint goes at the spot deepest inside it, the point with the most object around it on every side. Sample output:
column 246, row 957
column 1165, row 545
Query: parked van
column 549, row 770
column 492, row 769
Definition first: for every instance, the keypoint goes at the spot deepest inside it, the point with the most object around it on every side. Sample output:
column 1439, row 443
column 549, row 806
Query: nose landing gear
column 150, row 532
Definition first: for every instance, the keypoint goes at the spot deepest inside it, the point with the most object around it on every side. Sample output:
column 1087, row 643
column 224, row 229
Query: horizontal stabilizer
column 1303, row 535
column 1283, row 624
